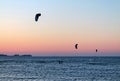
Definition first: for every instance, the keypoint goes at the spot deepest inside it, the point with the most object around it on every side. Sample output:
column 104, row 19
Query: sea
column 56, row 68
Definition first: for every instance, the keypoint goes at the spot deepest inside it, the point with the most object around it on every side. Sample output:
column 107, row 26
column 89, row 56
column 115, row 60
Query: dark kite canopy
column 76, row 46
column 96, row 50
column 37, row 16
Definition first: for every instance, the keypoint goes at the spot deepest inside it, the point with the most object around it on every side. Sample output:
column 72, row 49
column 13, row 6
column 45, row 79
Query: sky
column 93, row 24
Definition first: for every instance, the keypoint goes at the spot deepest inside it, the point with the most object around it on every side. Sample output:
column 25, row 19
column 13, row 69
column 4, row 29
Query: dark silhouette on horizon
column 16, row 55
column 37, row 16
column 76, row 46
column 3, row 55
column 26, row 55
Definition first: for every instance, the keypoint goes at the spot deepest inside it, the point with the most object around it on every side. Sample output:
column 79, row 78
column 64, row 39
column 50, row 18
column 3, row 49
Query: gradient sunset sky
column 63, row 23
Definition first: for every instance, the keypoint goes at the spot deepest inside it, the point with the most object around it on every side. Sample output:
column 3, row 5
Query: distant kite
column 37, row 16
column 76, row 46
column 96, row 50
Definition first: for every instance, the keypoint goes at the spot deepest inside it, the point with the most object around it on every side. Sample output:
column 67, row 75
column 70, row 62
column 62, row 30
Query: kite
column 37, row 16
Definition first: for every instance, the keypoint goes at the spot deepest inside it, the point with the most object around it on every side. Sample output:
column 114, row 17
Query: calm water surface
column 59, row 68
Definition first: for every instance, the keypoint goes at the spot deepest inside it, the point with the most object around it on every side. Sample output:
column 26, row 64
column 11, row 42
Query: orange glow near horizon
column 54, row 45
